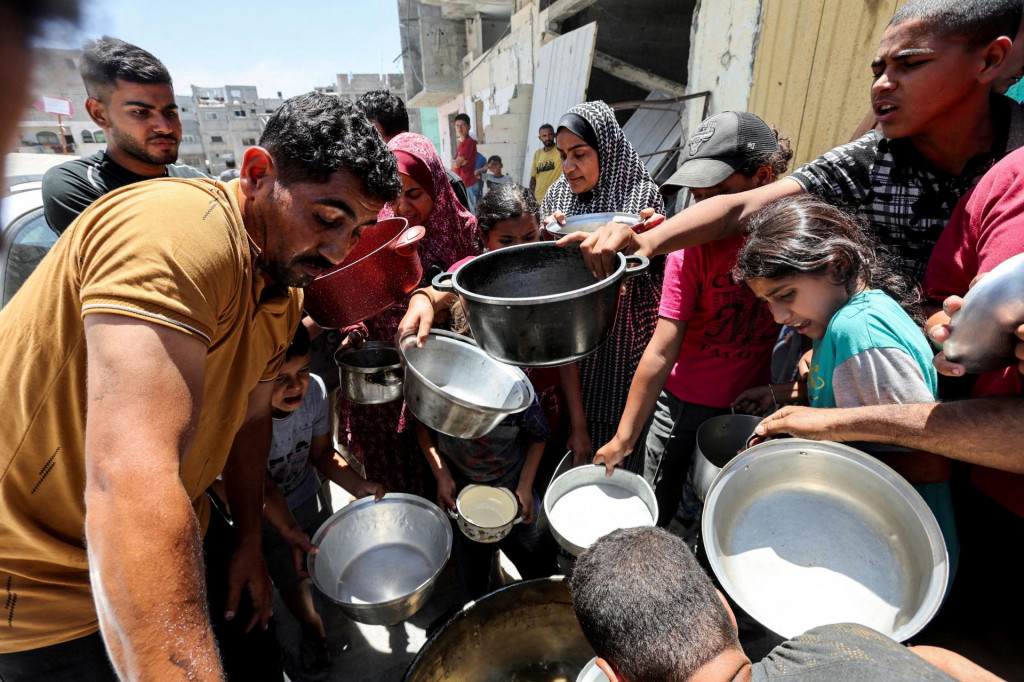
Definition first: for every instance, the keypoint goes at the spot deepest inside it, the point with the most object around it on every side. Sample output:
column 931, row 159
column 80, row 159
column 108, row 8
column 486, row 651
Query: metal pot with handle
column 370, row 375
column 538, row 305
column 719, row 439
column 486, row 513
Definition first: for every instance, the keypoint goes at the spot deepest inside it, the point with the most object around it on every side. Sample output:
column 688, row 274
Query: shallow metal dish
column 526, row 631
column 454, row 387
column 590, row 222
column 379, row 561
column 620, row 485
column 805, row 533
column 370, row 375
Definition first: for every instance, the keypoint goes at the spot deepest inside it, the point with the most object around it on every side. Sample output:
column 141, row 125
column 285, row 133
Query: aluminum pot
column 379, row 561
column 454, row 387
column 603, row 512
column 805, row 533
column 538, row 305
column 981, row 334
column 486, row 513
column 719, row 439
column 589, row 222
column 370, row 375
column 380, row 271
column 526, row 631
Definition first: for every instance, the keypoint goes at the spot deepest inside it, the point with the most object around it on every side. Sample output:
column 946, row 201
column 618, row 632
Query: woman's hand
column 940, row 334
column 525, row 497
column 368, row 488
column 556, row 217
column 445, row 491
column 611, row 454
column 419, row 317
column 580, row 445
column 757, row 400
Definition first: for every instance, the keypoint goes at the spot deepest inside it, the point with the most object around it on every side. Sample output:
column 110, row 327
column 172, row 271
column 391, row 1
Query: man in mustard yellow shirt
column 547, row 165
column 136, row 367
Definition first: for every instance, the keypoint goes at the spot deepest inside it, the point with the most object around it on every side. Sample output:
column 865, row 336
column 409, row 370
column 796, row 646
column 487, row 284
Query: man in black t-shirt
column 651, row 613
column 132, row 100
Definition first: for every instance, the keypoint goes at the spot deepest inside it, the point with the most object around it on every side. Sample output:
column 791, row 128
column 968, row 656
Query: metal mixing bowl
column 526, row 631
column 454, row 387
column 805, row 533
column 379, row 560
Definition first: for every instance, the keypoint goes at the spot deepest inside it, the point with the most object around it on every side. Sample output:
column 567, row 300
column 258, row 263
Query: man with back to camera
column 652, row 615
column 137, row 353
column 387, row 113
column 131, row 98
column 941, row 129
column 547, row 165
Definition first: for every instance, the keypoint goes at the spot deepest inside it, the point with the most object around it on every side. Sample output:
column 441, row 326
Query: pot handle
column 453, row 514
column 389, row 381
column 636, row 265
column 406, row 246
column 443, row 282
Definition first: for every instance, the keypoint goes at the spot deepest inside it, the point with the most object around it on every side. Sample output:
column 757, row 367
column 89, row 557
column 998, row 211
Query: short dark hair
column 230, row 163
column 493, row 158
column 647, row 607
column 778, row 160
column 108, row 60
column 387, row 109
column 313, row 135
column 463, row 117
column 547, row 126
column 33, row 16
column 299, row 345
column 977, row 22
column 504, row 202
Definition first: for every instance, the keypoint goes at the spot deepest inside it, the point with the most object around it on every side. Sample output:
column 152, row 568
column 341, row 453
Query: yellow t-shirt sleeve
column 163, row 251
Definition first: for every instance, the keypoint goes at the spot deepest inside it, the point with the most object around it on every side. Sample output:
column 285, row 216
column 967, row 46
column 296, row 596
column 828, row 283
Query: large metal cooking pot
column 805, row 533
column 981, row 333
column 538, row 305
column 600, row 505
column 526, row 631
column 719, row 439
column 589, row 222
column 379, row 561
column 380, row 271
column 370, row 375
column 454, row 387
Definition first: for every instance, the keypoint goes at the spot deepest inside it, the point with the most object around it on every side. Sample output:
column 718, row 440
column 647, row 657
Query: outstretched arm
column 145, row 388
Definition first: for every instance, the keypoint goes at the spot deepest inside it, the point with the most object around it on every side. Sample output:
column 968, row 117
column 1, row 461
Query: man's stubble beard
column 129, row 145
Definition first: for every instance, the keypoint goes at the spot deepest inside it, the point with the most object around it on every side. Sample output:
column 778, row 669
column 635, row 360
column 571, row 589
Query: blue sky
column 283, row 45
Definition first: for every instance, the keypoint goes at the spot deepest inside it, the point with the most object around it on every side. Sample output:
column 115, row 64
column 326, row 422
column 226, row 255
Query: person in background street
column 491, row 176
column 714, row 338
column 387, row 113
column 229, row 173
column 295, row 504
column 132, row 99
column 602, row 172
column 156, row 348
column 464, row 163
column 652, row 615
column 546, row 163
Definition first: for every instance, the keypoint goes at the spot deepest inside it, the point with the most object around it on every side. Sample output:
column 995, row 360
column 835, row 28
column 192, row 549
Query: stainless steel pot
column 805, row 533
column 719, row 439
column 537, row 305
column 981, row 333
column 486, row 513
column 526, row 631
column 379, row 561
column 370, row 375
column 601, row 517
column 590, row 222
column 454, row 387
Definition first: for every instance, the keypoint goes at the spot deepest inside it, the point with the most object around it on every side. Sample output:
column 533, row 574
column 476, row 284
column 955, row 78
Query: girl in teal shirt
column 819, row 272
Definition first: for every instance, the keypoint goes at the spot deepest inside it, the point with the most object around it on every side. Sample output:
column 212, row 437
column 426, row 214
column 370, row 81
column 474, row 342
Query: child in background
column 819, row 272
column 491, row 175
column 295, row 506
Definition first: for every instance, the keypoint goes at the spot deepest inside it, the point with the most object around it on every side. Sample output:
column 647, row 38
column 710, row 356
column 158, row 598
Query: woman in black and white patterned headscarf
column 602, row 172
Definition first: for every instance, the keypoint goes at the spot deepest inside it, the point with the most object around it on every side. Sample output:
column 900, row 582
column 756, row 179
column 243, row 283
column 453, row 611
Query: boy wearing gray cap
column 714, row 338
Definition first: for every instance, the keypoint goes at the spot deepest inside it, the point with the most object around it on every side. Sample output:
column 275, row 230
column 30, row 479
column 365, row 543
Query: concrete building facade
column 230, row 119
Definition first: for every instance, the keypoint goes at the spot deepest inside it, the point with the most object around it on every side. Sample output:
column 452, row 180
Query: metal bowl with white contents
column 589, row 222
column 805, row 533
column 379, row 561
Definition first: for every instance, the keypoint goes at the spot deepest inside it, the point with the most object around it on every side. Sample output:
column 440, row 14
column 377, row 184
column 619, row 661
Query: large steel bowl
column 590, row 222
column 538, row 305
column 981, row 334
column 379, row 561
column 454, row 387
column 602, row 517
column 805, row 533
column 526, row 631
column 370, row 375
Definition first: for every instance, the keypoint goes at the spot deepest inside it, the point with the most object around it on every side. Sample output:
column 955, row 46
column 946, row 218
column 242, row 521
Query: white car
column 25, row 237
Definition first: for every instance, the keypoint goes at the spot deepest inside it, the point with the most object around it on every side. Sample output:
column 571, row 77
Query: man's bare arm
column 145, row 388
column 986, row 431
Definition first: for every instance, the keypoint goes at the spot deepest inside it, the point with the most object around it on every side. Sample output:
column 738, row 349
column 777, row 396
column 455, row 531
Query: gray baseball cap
column 721, row 145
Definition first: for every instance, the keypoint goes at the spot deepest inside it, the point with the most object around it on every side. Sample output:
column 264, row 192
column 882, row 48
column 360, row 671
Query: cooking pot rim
column 355, row 505
column 341, row 353
column 556, row 228
column 343, row 266
column 504, row 491
column 404, row 338
column 483, row 261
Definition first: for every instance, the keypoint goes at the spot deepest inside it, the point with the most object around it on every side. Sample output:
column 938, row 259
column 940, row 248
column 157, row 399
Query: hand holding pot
column 611, row 454
column 525, row 497
column 599, row 248
column 368, row 488
column 445, row 491
column 756, row 400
